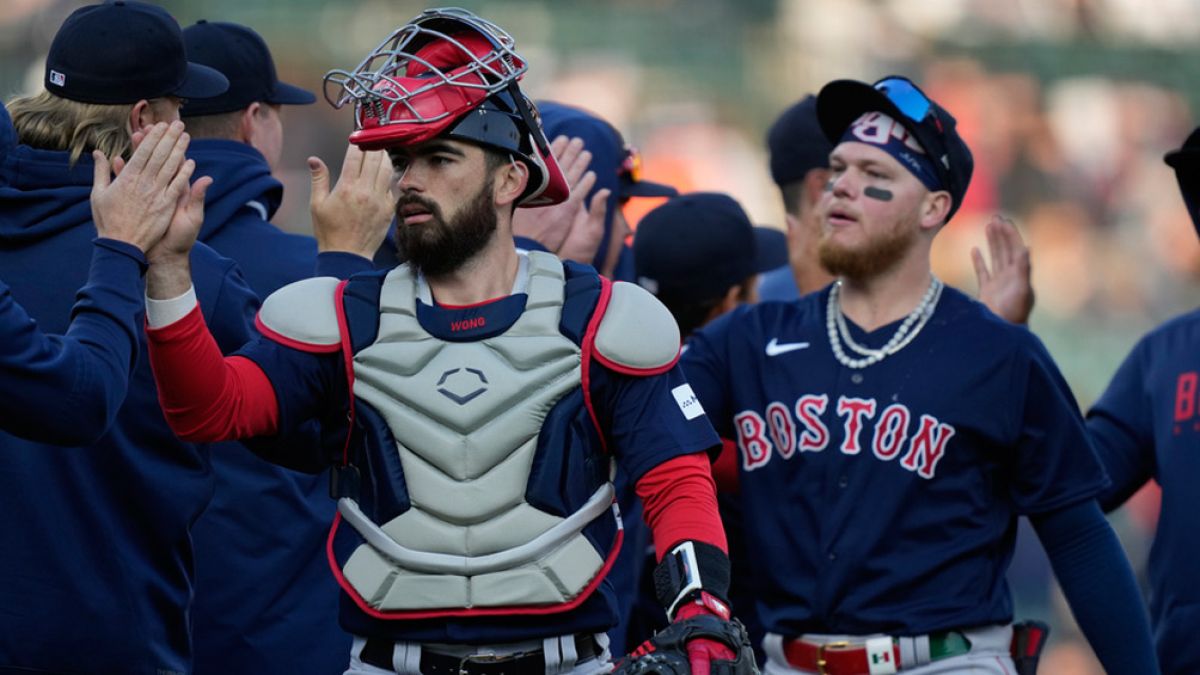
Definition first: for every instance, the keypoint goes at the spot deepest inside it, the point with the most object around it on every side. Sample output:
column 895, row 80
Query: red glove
column 702, row 651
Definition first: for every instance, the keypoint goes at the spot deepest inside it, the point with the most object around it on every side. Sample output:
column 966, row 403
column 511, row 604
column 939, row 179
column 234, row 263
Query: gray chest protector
column 466, row 418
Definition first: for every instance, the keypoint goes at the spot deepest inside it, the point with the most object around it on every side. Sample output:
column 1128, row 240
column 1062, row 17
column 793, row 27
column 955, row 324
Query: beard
column 880, row 253
column 436, row 247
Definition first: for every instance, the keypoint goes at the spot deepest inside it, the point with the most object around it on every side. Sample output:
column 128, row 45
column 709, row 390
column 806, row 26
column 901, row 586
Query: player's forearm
column 680, row 503
column 1099, row 585
column 205, row 396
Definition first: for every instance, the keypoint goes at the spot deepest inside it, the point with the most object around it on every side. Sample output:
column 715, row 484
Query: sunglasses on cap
column 909, row 100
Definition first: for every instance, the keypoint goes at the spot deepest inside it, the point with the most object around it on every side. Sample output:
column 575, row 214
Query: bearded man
column 488, row 392
column 892, row 430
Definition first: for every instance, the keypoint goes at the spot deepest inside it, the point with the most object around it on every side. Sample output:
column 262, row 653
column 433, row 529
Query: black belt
column 378, row 652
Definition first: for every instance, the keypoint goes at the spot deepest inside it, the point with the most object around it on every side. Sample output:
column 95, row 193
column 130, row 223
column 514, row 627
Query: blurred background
column 1068, row 106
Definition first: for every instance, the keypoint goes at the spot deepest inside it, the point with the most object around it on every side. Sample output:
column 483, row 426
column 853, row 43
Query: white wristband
column 162, row 313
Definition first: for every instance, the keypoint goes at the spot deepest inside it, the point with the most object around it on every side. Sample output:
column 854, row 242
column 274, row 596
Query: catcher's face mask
column 449, row 73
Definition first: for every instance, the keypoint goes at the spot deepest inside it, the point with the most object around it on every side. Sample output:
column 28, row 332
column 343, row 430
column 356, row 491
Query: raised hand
column 1005, row 288
column 570, row 229
column 354, row 217
column 137, row 205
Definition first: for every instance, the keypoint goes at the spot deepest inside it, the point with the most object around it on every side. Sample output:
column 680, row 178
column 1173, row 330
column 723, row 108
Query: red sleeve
column 680, row 503
column 725, row 468
column 205, row 396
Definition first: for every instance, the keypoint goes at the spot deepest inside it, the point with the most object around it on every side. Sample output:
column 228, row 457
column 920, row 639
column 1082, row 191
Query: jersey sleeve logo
column 688, row 403
column 775, row 348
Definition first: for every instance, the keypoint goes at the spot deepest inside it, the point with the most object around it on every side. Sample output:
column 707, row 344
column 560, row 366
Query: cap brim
column 645, row 188
column 843, row 101
column 1183, row 157
column 201, row 82
column 770, row 249
column 288, row 94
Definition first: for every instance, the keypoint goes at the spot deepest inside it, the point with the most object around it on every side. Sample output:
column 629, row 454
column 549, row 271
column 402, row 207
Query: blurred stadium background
column 1068, row 105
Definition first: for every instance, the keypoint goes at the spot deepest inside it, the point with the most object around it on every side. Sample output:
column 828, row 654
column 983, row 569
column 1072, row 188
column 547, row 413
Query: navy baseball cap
column 122, row 52
column 841, row 102
column 242, row 56
column 796, row 143
column 1188, row 156
column 697, row 246
column 617, row 165
column 1186, row 162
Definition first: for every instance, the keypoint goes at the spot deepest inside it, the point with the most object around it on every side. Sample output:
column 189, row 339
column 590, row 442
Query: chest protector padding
column 466, row 418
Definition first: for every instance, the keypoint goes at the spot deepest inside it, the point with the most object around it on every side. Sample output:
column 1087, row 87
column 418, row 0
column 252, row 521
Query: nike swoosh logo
column 775, row 349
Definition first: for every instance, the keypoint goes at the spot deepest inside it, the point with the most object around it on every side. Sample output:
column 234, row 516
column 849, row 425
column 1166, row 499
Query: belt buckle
column 821, row 663
column 481, row 659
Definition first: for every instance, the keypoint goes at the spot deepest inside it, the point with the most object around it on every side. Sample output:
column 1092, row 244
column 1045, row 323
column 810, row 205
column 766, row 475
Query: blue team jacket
column 265, row 600
column 96, row 563
column 67, row 389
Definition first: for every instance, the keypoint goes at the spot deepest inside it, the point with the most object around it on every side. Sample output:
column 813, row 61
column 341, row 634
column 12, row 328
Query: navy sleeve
column 307, row 386
column 67, row 389
column 1054, row 464
column 226, row 300
column 1120, row 428
column 651, row 419
column 341, row 265
column 1099, row 585
column 705, row 361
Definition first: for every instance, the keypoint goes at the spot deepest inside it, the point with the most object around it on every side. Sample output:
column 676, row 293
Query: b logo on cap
column 877, row 128
column 58, row 79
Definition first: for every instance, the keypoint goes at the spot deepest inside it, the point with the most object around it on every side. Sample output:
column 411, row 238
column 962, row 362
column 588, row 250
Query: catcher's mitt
column 666, row 653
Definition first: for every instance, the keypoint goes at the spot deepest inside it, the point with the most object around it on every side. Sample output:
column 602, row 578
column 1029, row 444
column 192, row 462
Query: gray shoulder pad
column 303, row 315
column 637, row 332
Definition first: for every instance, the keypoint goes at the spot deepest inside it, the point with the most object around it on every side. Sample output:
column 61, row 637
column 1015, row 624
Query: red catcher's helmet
column 449, row 73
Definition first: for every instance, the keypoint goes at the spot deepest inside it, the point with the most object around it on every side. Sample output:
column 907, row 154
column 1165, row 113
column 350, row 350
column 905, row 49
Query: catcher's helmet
column 451, row 74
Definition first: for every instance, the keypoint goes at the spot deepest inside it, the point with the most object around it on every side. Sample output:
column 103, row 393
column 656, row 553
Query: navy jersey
column 1147, row 425
column 886, row 499
column 644, row 426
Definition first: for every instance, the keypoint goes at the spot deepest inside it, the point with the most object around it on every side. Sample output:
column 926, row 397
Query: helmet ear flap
column 553, row 188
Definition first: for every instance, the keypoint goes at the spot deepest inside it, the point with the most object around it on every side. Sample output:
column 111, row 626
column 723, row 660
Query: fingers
column 557, row 146
column 993, row 243
column 700, row 660
column 118, row 165
column 196, row 196
column 101, row 173
column 584, row 186
column 146, row 146
column 320, row 180
column 574, row 160
column 981, row 270
column 598, row 208
column 179, row 184
column 352, row 163
column 175, row 159
column 382, row 168
column 162, row 149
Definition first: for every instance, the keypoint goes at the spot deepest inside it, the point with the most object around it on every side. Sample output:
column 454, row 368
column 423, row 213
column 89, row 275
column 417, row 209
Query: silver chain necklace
column 839, row 332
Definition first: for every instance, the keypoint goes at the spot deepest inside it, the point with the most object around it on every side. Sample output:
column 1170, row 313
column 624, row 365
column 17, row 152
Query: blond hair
column 50, row 122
